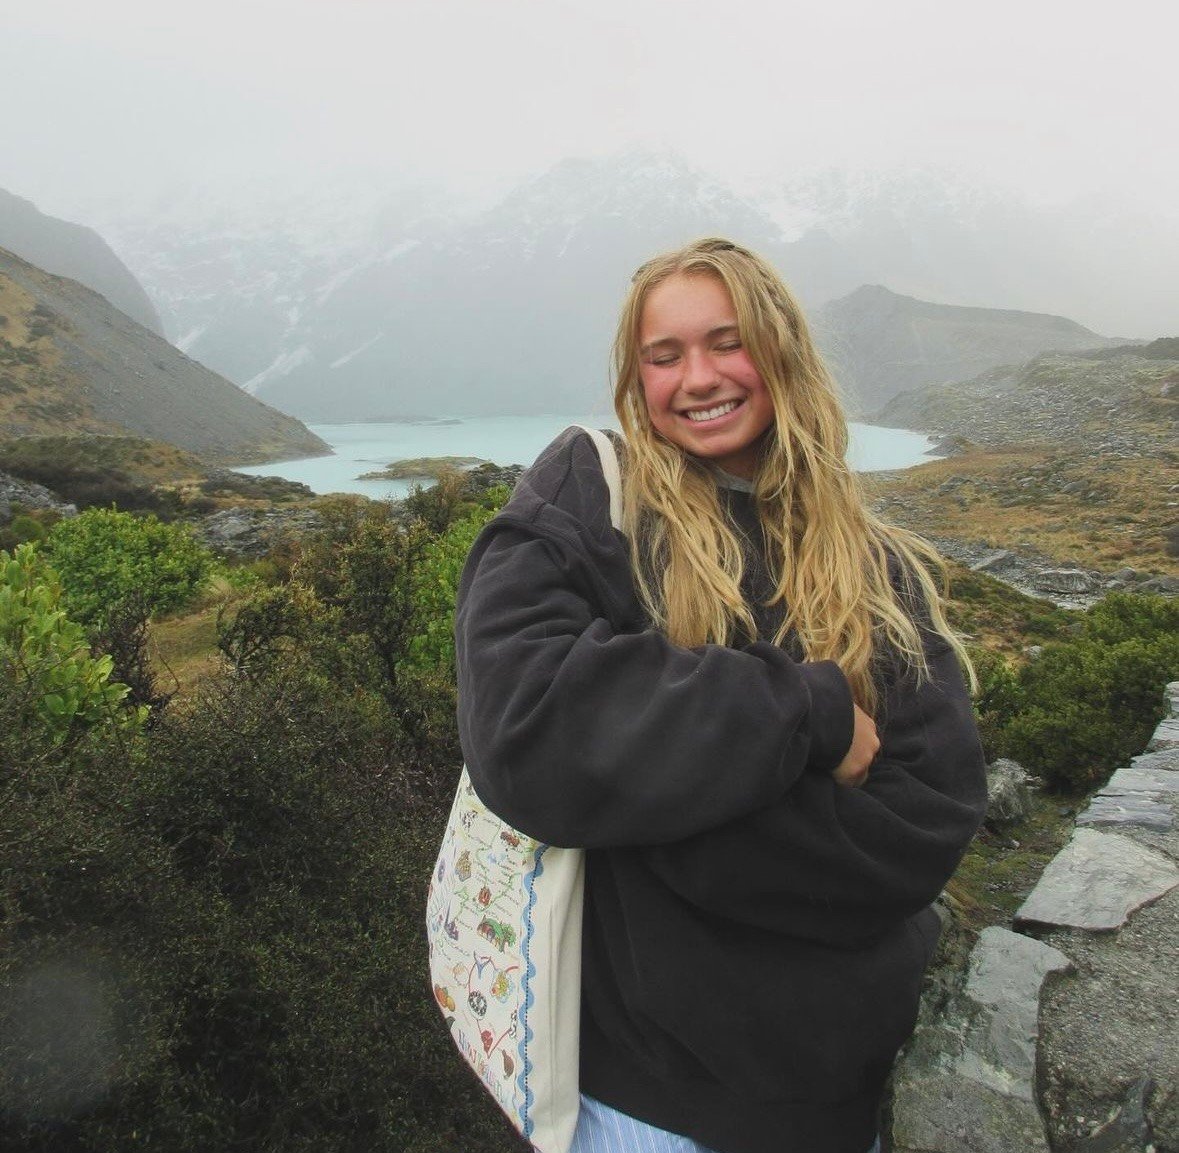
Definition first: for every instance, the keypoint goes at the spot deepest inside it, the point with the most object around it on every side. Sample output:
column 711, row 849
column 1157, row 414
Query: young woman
column 749, row 710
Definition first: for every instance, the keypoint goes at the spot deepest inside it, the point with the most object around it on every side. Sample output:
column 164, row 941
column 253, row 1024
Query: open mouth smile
column 701, row 415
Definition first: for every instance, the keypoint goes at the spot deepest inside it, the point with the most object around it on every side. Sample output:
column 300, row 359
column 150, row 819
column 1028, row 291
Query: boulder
column 1166, row 585
column 16, row 493
column 966, row 1081
column 1009, row 798
column 1064, row 581
column 252, row 532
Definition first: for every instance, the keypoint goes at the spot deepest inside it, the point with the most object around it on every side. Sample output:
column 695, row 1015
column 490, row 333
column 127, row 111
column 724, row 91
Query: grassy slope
column 70, row 363
column 145, row 461
column 32, row 399
column 1074, row 457
column 1113, row 514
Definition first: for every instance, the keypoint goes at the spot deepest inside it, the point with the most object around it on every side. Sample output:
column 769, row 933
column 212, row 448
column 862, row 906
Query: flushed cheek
column 658, row 391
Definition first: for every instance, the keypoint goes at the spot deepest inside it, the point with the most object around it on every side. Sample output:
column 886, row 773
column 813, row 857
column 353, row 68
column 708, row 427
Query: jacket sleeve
column 581, row 733
column 843, row 865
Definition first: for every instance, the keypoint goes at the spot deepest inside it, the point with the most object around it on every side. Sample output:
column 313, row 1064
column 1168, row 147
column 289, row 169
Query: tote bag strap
column 608, row 455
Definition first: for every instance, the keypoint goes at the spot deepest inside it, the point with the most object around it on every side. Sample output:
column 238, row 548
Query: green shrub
column 53, row 684
column 1087, row 705
column 435, row 587
column 104, row 556
column 238, row 915
column 439, row 504
column 1131, row 616
column 213, row 935
column 27, row 525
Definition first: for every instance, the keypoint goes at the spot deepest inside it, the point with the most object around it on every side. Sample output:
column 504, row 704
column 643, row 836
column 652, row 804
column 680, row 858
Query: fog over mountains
column 361, row 305
column 880, row 343
column 71, row 363
column 71, row 250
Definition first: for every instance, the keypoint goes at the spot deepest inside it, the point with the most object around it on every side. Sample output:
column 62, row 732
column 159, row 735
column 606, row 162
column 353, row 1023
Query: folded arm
column 843, row 865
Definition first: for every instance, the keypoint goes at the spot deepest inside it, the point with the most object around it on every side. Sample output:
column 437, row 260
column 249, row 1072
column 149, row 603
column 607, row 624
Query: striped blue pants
column 601, row 1129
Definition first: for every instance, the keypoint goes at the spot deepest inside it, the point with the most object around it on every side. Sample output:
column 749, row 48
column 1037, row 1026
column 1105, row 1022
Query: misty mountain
column 74, row 251
column 939, row 237
column 512, row 311
column 72, row 363
column 361, row 304
column 233, row 281
column 881, row 343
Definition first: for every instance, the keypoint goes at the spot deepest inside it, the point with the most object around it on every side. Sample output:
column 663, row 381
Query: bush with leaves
column 351, row 611
column 233, row 906
column 53, row 683
column 235, row 916
column 436, row 579
column 104, row 556
column 1087, row 705
column 25, row 527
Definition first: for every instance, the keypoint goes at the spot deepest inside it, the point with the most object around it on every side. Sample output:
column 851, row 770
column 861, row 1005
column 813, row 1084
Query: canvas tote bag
column 503, row 919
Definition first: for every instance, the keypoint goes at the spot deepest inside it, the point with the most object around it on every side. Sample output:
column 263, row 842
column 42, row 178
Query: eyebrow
column 712, row 334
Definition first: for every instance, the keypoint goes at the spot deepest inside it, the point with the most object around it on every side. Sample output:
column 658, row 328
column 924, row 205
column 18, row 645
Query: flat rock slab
column 1096, row 881
column 1141, row 810
column 1166, row 736
column 1143, row 779
column 1161, row 760
column 965, row 1083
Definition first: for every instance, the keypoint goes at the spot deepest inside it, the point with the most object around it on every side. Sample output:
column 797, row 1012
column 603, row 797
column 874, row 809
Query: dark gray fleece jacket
column 755, row 935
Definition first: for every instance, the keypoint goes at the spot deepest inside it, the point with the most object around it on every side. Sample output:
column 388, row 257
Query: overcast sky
column 1056, row 99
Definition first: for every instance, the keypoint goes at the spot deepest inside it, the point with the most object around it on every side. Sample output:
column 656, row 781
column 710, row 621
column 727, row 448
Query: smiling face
column 702, row 390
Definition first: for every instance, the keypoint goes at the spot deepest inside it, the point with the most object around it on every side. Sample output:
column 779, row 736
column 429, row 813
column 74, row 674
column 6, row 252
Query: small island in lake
column 423, row 466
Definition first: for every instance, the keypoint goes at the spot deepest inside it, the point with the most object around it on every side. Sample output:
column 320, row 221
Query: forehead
column 685, row 303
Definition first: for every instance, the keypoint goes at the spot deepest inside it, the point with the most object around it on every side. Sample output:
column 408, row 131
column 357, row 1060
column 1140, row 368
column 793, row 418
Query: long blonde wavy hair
column 828, row 554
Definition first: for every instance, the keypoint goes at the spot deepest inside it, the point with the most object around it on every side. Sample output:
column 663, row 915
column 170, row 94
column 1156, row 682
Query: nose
column 700, row 374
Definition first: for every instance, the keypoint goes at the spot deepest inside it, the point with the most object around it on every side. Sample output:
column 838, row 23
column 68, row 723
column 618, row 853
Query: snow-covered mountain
column 360, row 303
column 511, row 310
column 235, row 277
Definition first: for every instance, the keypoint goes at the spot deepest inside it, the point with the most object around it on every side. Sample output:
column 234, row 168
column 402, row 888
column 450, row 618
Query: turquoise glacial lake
column 364, row 447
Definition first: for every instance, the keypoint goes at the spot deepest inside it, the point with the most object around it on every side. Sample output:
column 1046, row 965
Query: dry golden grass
column 1113, row 515
column 182, row 647
column 37, row 394
column 16, row 305
column 183, row 651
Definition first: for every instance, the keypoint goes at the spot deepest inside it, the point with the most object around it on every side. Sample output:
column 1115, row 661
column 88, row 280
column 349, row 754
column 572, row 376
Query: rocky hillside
column 881, row 343
column 73, row 250
column 1123, row 403
column 1071, row 456
column 72, row 363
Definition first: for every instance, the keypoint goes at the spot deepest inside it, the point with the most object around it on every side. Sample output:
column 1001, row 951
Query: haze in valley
column 285, row 177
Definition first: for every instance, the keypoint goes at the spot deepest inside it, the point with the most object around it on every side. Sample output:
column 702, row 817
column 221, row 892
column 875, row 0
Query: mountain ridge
column 72, row 363
column 1071, row 456
column 76, row 252
column 366, row 304
column 882, row 343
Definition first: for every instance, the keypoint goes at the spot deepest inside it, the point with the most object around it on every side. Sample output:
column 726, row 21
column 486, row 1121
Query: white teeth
column 712, row 413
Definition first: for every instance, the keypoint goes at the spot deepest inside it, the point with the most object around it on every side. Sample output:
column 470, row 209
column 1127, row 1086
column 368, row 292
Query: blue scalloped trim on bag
column 529, row 973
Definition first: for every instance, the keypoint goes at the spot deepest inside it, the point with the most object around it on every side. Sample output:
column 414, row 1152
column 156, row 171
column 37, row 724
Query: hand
column 852, row 771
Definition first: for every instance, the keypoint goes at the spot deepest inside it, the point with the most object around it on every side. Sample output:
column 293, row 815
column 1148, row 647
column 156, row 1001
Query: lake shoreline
column 368, row 447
